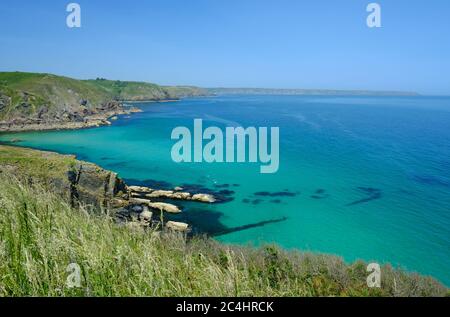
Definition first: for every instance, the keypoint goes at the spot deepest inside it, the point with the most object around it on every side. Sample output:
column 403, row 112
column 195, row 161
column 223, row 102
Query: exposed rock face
column 4, row 101
column 95, row 186
column 76, row 181
column 66, row 119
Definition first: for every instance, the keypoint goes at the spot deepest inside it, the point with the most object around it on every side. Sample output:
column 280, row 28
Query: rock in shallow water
column 142, row 194
column 207, row 198
column 160, row 193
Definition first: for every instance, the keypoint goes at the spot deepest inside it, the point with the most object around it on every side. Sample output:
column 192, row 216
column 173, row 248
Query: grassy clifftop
column 33, row 164
column 41, row 234
column 123, row 90
column 140, row 91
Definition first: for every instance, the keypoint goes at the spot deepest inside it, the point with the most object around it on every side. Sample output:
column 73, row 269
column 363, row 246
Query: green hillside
column 127, row 90
column 141, row 91
column 185, row 91
column 28, row 94
column 47, row 96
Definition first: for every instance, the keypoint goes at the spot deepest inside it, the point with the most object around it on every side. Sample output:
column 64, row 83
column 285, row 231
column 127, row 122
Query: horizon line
column 362, row 90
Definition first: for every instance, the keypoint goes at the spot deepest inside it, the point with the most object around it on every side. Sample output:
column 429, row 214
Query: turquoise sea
column 361, row 177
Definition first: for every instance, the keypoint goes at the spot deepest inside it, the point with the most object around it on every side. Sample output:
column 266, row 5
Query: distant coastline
column 36, row 102
column 307, row 92
column 150, row 100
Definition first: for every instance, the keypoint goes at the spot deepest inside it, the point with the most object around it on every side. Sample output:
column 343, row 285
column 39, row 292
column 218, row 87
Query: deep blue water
column 361, row 177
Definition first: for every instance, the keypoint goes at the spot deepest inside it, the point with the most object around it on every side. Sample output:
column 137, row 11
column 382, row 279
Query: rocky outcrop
column 77, row 181
column 163, row 207
column 145, row 192
column 84, row 183
column 94, row 186
column 140, row 189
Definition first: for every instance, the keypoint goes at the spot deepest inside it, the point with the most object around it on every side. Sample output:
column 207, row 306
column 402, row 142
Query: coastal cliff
column 77, row 182
column 32, row 101
column 85, row 184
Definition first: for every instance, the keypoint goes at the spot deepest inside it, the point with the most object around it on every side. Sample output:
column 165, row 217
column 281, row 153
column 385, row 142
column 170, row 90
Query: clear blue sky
column 235, row 43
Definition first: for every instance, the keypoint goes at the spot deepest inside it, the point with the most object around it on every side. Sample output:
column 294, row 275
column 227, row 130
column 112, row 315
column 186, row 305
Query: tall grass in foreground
column 40, row 235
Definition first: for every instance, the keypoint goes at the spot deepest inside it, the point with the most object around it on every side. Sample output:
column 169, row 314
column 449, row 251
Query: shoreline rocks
column 163, row 207
column 206, row 198
column 69, row 121
column 140, row 189
column 140, row 192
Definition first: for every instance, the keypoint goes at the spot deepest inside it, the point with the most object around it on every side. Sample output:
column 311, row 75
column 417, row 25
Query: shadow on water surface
column 432, row 180
column 257, row 197
column 320, row 194
column 206, row 221
column 285, row 193
column 372, row 193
